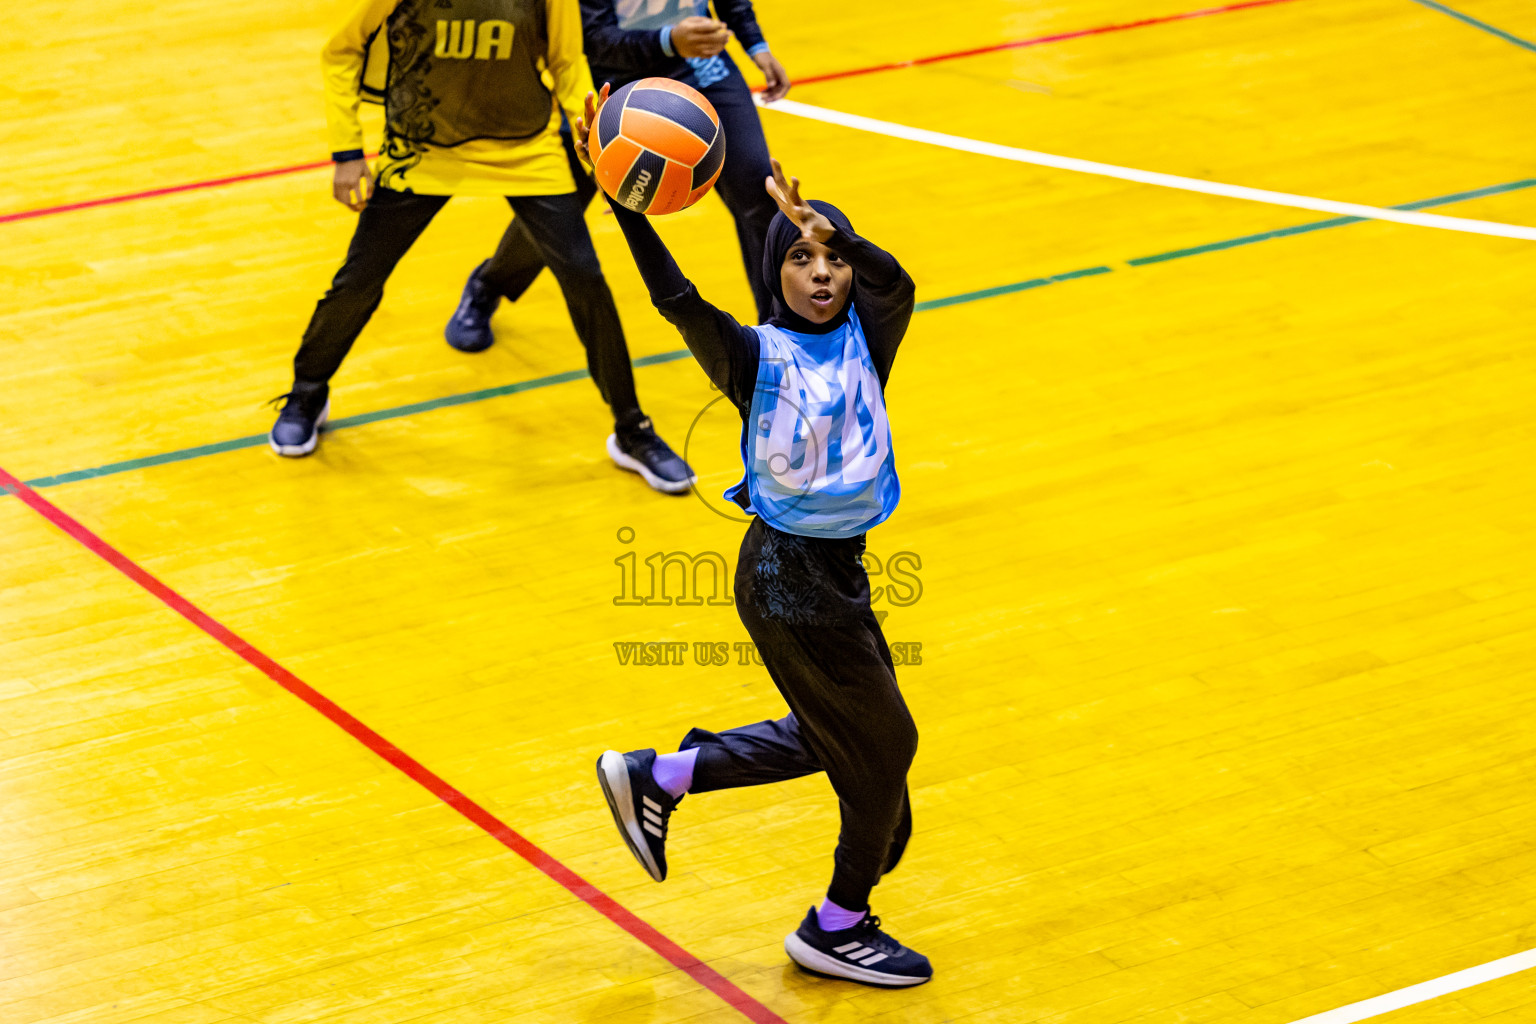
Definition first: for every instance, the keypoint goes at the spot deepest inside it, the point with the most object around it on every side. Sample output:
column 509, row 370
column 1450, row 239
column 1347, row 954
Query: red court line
column 166, row 191
column 873, row 69
column 1019, row 44
column 415, row 770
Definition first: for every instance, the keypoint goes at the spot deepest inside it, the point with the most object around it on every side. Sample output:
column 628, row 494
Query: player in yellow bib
column 473, row 96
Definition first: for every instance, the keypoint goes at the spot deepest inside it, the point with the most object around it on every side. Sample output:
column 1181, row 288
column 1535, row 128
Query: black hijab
column 782, row 234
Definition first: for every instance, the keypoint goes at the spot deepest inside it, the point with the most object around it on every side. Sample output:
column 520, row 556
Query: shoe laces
column 293, row 406
column 643, row 440
column 289, row 399
column 877, row 939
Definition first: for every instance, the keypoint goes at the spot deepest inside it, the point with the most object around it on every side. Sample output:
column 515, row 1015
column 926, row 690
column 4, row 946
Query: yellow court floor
column 1214, row 565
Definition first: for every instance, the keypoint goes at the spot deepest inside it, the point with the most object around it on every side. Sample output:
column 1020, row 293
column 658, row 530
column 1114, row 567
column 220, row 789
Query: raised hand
column 813, row 225
column 583, row 126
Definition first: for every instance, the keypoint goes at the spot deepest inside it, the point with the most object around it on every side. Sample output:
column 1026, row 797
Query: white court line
column 1214, row 188
column 1425, row 990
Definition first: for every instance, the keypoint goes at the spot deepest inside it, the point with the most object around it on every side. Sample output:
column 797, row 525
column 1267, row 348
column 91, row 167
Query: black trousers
column 805, row 603
column 390, row 224
column 518, row 259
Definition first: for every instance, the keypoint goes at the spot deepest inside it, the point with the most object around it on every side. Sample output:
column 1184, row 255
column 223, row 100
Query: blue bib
column 817, row 445
column 641, row 15
column 650, row 14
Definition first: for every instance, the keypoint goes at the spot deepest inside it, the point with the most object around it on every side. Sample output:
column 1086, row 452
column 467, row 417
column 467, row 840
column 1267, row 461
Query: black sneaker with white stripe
column 640, row 807
column 639, row 450
column 862, row 953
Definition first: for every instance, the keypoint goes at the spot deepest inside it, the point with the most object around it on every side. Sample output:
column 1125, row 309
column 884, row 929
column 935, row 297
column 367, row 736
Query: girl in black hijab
column 819, row 471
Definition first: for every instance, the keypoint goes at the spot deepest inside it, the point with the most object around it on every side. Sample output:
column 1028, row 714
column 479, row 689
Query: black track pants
column 390, row 224
column 805, row 603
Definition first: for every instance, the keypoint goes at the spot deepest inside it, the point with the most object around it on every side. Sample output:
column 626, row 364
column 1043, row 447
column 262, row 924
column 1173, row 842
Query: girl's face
column 815, row 281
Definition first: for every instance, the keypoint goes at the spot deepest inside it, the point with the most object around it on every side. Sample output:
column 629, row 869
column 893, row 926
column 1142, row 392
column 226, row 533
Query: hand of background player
column 699, row 37
column 584, row 124
column 814, row 225
column 348, row 184
column 773, row 71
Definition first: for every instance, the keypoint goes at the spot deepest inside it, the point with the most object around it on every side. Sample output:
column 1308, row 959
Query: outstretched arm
column 884, row 298
column 727, row 351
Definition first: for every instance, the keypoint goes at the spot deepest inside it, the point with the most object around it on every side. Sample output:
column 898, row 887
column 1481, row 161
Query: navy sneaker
column 640, row 807
column 862, row 953
column 639, row 450
column 304, row 412
column 469, row 329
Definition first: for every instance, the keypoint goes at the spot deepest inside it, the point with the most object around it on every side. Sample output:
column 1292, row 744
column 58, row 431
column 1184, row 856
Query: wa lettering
column 461, row 40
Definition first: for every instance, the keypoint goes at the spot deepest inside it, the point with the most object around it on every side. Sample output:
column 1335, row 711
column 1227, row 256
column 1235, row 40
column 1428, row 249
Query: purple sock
column 674, row 772
column 833, row 918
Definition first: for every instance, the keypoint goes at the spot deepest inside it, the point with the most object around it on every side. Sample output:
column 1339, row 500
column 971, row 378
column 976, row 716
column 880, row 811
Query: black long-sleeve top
column 619, row 56
column 728, row 352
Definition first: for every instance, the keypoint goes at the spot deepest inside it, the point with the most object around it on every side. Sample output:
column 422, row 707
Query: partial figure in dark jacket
column 627, row 40
column 818, row 472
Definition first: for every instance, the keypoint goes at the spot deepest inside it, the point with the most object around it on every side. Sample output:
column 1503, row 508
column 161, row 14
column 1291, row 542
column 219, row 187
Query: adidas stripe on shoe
column 862, row 953
column 641, row 808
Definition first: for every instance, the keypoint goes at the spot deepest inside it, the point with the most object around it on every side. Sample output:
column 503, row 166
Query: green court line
column 1477, row 24
column 1007, row 289
column 396, row 412
column 149, row 460
column 1332, row 222
column 340, row 423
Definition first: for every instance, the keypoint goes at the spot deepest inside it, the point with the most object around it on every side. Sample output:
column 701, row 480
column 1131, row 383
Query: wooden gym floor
column 1220, row 564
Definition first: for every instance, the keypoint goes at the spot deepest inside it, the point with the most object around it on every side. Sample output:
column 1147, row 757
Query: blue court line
column 1478, row 24
column 396, row 412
